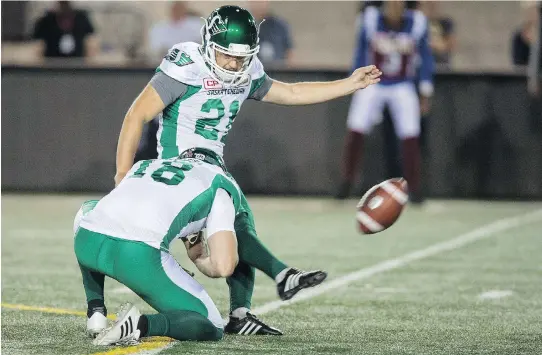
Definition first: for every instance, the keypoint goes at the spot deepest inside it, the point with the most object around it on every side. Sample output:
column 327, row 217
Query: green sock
column 251, row 250
column 182, row 325
column 241, row 284
column 93, row 282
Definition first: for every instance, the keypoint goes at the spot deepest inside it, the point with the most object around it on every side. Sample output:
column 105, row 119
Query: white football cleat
column 95, row 324
column 124, row 331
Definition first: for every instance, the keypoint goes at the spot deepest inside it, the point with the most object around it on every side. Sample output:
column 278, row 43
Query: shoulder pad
column 183, row 63
column 256, row 69
column 419, row 26
column 370, row 19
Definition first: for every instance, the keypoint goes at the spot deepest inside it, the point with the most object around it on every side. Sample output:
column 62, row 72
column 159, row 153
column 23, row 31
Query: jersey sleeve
column 360, row 56
column 260, row 81
column 222, row 214
column 179, row 65
column 366, row 24
column 167, row 88
column 427, row 66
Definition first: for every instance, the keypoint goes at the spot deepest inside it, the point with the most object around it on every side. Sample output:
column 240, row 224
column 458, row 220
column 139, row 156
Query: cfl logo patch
column 211, row 84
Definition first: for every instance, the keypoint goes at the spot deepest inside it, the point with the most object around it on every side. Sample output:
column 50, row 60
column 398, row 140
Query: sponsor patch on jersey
column 214, row 87
column 211, row 84
column 232, row 91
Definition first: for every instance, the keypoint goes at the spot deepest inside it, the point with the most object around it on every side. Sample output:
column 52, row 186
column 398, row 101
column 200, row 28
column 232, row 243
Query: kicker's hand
column 365, row 76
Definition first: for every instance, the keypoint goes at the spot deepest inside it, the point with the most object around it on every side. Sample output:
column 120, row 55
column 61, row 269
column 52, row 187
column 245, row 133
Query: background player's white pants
column 367, row 106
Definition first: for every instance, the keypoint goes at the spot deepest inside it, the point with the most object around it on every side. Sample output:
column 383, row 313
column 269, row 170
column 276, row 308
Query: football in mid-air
column 382, row 205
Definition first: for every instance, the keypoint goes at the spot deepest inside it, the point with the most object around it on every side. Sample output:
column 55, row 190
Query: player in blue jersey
column 395, row 40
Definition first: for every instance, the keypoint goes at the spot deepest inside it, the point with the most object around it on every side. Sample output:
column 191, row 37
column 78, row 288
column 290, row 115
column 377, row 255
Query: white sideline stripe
column 482, row 232
column 494, row 294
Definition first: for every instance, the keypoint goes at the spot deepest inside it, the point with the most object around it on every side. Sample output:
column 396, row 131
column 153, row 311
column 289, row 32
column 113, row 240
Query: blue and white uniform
column 404, row 57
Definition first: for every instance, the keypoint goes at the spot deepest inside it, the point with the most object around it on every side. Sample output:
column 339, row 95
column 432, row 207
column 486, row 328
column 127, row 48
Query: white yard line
column 486, row 231
column 494, row 294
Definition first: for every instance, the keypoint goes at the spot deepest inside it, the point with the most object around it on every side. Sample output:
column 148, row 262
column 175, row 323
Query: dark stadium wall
column 60, row 127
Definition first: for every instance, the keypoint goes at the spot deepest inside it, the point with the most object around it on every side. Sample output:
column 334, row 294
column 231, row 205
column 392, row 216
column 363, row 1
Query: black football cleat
column 295, row 280
column 249, row 325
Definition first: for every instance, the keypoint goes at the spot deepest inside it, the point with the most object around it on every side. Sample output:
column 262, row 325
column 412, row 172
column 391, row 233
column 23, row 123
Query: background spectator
column 442, row 35
column 524, row 37
column 534, row 78
column 183, row 25
column 275, row 39
column 66, row 32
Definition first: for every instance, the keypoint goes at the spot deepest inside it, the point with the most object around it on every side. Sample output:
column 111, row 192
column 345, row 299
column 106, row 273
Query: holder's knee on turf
column 184, row 325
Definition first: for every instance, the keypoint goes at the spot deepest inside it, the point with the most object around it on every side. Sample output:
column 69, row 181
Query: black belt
column 205, row 155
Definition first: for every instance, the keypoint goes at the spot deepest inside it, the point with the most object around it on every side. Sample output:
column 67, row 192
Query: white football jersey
column 203, row 116
column 161, row 200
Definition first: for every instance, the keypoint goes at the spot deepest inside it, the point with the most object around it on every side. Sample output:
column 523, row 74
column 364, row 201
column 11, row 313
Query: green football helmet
column 231, row 30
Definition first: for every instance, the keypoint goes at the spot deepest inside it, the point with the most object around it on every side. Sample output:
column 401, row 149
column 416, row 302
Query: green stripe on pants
column 142, row 268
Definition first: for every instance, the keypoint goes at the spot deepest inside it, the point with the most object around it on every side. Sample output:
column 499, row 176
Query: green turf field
column 442, row 300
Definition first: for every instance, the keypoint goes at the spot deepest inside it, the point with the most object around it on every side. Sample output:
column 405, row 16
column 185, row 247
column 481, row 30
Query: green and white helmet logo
column 231, row 30
column 217, row 25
